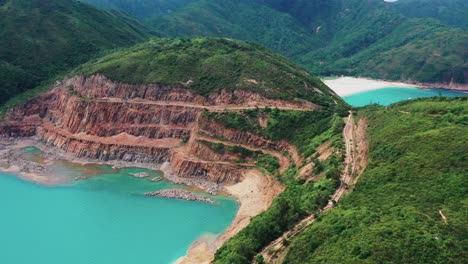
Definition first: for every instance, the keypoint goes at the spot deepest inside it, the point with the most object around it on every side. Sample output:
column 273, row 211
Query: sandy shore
column 345, row 86
column 254, row 194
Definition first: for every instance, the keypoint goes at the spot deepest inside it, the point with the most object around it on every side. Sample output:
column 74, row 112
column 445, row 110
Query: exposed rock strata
column 96, row 118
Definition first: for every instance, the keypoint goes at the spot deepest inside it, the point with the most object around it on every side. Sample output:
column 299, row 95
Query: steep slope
column 250, row 21
column 410, row 204
column 415, row 51
column 39, row 39
column 158, row 102
column 450, row 12
column 353, row 37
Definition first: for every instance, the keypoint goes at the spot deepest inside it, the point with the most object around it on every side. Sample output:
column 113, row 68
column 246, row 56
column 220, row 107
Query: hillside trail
column 283, row 160
column 212, row 108
column 356, row 146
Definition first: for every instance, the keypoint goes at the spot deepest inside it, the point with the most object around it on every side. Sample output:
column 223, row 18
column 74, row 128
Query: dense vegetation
column 304, row 129
column 39, row 39
column 332, row 37
column 210, row 65
column 417, row 173
column 418, row 50
column 296, row 202
column 141, row 8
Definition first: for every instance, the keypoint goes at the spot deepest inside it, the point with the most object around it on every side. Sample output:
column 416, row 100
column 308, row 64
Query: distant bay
column 390, row 95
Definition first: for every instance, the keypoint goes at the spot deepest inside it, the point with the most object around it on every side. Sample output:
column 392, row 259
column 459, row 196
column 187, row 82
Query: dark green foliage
column 296, row 202
column 292, row 205
column 141, row 8
column 451, row 12
column 268, row 163
column 333, row 37
column 417, row 167
column 240, row 19
column 419, row 50
column 39, row 39
column 305, row 129
column 210, row 65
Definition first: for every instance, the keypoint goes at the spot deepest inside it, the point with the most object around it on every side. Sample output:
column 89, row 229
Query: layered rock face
column 96, row 118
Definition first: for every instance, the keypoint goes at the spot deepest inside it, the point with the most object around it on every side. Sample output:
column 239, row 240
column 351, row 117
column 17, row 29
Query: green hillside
column 417, row 167
column 417, row 50
column 333, row 37
column 141, row 8
column 210, row 65
column 252, row 21
column 40, row 38
column 450, row 12
column 416, row 174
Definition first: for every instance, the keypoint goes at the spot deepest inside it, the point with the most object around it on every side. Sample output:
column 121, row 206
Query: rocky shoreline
column 11, row 161
column 181, row 195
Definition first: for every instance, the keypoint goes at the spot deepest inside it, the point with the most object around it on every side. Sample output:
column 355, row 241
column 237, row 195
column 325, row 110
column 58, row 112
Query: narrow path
column 275, row 251
column 283, row 161
column 212, row 108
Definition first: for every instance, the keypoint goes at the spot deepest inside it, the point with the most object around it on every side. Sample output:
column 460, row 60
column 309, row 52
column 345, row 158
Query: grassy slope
column 211, row 65
column 39, row 39
column 418, row 164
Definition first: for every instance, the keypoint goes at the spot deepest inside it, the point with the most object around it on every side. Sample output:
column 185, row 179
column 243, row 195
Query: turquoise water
column 390, row 95
column 102, row 220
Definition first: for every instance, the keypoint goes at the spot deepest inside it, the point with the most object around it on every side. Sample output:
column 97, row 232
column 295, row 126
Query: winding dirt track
column 275, row 251
column 283, row 161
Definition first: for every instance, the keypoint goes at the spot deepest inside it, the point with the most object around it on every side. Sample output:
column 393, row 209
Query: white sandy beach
column 345, row 86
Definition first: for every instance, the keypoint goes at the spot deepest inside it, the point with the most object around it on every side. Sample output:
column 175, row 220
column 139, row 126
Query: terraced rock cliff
column 148, row 104
column 97, row 118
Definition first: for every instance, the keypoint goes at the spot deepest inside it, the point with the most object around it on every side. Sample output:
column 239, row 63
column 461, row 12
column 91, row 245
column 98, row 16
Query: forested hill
column 411, row 40
column 209, row 65
column 40, row 38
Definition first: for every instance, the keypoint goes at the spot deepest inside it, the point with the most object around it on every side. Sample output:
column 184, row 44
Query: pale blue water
column 103, row 220
column 390, row 95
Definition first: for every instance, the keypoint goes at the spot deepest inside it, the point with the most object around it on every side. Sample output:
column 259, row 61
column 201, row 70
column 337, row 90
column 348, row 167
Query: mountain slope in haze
column 40, row 38
column 450, row 12
column 211, row 65
column 249, row 21
column 141, row 8
column 369, row 38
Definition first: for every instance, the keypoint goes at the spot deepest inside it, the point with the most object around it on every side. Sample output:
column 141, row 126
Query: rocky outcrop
column 181, row 195
column 98, row 86
column 189, row 166
column 96, row 118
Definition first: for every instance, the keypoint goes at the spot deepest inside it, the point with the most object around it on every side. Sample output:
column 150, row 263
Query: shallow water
column 104, row 219
column 390, row 95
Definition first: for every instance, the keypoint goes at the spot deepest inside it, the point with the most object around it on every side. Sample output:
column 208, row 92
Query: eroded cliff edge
column 96, row 118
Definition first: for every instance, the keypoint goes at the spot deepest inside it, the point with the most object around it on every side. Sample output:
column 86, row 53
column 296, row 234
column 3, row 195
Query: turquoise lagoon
column 102, row 220
column 390, row 95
